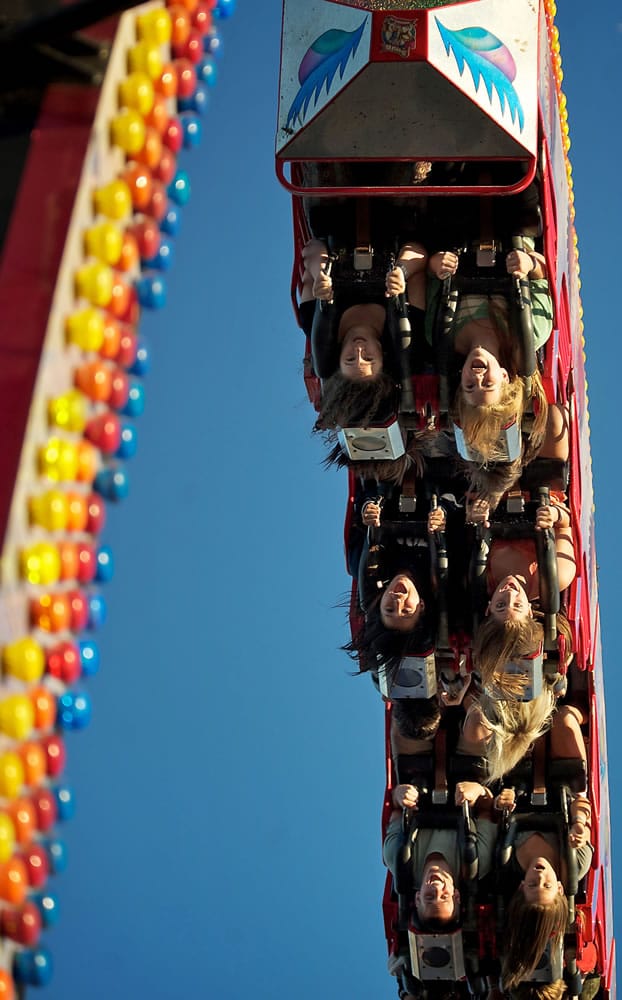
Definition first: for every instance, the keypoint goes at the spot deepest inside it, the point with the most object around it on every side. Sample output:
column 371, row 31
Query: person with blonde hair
column 555, row 991
column 492, row 395
column 539, row 991
column 489, row 482
column 504, row 731
column 511, row 629
column 497, row 643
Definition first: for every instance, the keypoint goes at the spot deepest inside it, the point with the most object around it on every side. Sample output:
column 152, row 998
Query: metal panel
column 459, row 83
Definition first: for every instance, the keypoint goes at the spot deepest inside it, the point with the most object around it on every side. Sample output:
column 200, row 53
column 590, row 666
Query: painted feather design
column 328, row 54
column 489, row 60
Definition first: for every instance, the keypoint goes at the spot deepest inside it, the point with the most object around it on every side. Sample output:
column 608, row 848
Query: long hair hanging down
column 359, row 403
column 350, row 402
column 497, row 643
column 383, row 470
column 386, row 471
column 374, row 646
column 482, row 425
column 513, row 727
column 491, row 483
column 540, row 991
column 530, row 927
column 536, row 436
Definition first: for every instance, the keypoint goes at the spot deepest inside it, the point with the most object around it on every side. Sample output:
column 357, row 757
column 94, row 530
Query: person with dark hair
column 407, row 277
column 415, row 718
column 436, row 856
column 349, row 340
column 396, row 596
column 378, row 646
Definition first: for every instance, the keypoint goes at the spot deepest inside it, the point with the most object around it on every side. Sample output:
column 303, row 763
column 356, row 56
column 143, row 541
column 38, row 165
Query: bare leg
column 314, row 256
column 567, row 741
column 556, row 434
column 414, row 257
column 475, row 733
column 566, row 736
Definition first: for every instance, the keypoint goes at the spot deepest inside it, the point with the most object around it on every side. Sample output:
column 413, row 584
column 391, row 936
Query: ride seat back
column 509, row 444
column 436, row 956
column 414, row 678
column 378, row 442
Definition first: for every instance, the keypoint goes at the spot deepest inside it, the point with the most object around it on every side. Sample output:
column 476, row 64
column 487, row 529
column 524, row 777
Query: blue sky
column 227, row 836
